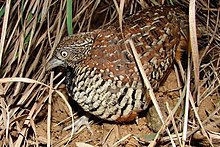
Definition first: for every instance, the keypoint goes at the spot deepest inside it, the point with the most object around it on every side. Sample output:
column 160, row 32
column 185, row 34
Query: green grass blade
column 2, row 11
column 69, row 17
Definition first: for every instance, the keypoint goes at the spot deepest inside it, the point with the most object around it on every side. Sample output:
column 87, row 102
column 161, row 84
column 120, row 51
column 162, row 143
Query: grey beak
column 54, row 62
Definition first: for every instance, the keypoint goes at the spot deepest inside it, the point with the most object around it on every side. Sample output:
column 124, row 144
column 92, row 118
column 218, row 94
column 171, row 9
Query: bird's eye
column 64, row 54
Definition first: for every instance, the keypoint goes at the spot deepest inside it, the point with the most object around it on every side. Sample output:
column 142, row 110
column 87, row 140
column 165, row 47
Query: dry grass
column 31, row 30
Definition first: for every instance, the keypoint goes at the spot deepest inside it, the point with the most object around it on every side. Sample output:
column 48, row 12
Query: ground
column 129, row 135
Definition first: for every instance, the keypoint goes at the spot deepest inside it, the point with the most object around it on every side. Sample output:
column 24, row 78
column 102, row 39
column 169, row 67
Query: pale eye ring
column 64, row 54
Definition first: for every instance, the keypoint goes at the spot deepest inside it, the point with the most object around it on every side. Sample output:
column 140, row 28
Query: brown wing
column 156, row 36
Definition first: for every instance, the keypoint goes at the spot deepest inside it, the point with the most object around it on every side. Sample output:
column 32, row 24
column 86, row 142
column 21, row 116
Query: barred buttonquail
column 102, row 74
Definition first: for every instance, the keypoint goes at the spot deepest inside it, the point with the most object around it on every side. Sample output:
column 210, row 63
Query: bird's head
column 71, row 51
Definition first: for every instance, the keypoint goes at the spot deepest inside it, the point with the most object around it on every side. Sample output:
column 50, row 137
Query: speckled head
column 71, row 50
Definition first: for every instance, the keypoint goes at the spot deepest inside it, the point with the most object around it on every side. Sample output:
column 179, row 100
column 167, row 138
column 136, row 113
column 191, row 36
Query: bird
column 101, row 72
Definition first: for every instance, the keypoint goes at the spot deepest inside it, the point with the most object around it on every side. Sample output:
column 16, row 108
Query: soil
column 129, row 135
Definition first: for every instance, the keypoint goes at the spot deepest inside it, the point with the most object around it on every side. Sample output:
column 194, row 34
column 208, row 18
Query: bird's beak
column 54, row 62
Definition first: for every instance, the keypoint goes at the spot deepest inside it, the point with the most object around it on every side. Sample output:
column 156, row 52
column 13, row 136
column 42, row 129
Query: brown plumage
column 102, row 76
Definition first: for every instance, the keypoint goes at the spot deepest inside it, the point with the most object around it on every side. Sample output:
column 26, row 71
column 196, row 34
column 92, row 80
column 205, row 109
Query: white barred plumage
column 102, row 74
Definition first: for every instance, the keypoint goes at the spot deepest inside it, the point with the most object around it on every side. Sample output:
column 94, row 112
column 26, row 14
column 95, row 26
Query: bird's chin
column 53, row 63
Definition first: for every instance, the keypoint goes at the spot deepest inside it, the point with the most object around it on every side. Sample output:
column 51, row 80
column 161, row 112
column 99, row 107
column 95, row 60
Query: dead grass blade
column 198, row 119
column 120, row 12
column 171, row 114
column 150, row 90
column 194, row 44
column 186, row 110
column 214, row 35
column 49, row 111
column 122, row 139
column 4, row 28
